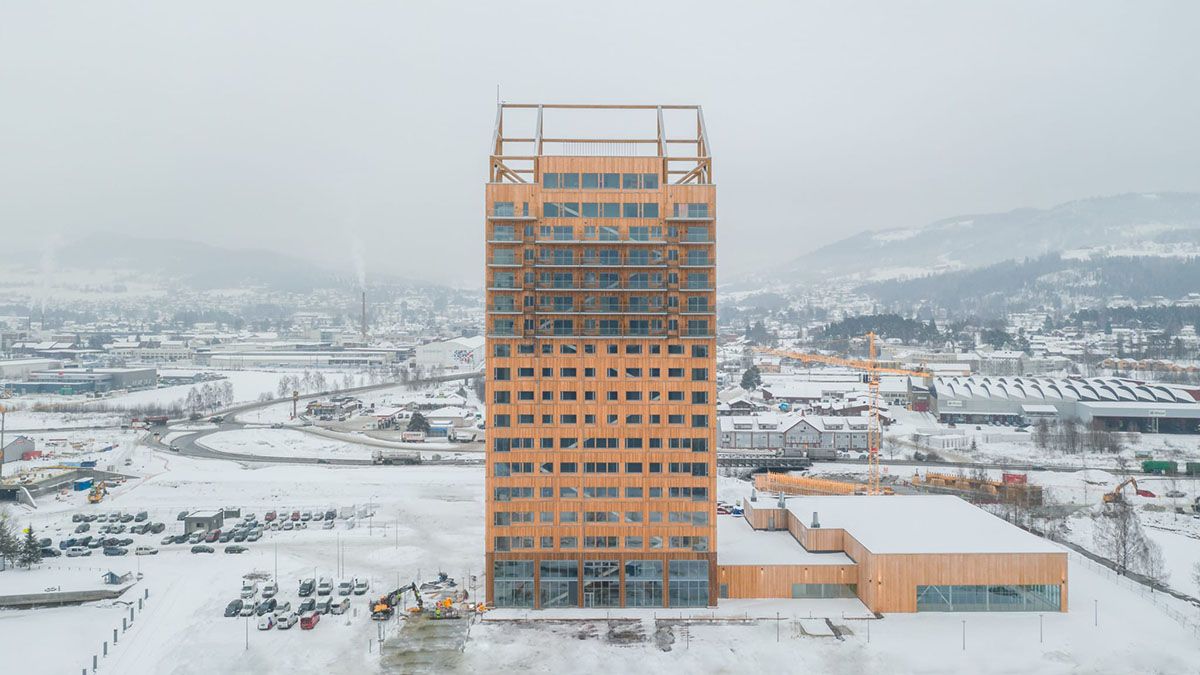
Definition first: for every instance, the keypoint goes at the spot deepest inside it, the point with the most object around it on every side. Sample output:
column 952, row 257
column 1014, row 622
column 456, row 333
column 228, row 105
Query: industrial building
column 462, row 353
column 819, row 437
column 912, row 553
column 601, row 362
column 85, row 380
column 19, row 369
column 1114, row 403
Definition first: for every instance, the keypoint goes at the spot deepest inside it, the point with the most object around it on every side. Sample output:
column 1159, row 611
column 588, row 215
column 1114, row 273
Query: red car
column 212, row 536
column 295, row 515
column 269, row 516
column 309, row 621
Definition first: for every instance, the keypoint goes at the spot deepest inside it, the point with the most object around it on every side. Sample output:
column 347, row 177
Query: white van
column 345, row 587
column 145, row 550
column 324, row 586
column 249, row 589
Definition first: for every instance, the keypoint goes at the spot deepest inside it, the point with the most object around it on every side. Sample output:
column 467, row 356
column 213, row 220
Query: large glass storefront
column 824, row 591
column 1030, row 598
column 558, row 583
column 513, row 583
column 688, row 583
column 597, row 583
column 644, row 583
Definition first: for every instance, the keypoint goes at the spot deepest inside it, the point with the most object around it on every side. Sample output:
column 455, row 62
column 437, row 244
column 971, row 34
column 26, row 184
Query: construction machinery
column 99, row 491
column 383, row 608
column 1117, row 494
column 873, row 370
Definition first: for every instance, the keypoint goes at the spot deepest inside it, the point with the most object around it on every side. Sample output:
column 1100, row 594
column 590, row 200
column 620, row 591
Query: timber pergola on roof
column 686, row 159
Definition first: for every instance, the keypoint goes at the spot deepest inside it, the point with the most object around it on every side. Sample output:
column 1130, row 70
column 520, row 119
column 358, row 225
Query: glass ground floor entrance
column 600, row 582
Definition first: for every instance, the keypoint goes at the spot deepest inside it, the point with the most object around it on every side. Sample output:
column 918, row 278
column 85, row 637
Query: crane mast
column 873, row 371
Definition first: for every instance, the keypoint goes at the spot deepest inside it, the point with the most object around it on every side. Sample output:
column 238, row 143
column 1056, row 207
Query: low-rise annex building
column 902, row 553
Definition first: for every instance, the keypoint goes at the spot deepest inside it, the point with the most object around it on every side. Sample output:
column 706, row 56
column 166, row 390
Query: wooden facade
column 601, row 361
column 886, row 582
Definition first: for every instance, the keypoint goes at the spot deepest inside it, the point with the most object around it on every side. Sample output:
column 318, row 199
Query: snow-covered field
column 283, row 443
column 431, row 518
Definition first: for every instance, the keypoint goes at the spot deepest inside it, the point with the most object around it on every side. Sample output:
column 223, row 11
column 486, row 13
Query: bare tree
column 1119, row 536
column 1041, row 436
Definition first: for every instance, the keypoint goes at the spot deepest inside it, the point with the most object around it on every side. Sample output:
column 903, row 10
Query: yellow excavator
column 1117, row 494
column 99, row 490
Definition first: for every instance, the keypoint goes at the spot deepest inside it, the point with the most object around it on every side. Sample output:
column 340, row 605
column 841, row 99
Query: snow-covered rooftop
column 918, row 524
column 740, row 544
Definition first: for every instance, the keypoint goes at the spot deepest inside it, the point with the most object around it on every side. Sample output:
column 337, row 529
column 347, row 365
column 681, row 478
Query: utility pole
column 3, row 414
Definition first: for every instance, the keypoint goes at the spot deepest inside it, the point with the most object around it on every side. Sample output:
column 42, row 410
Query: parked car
column 234, row 608
column 51, row 552
column 286, row 620
column 360, row 586
column 212, row 536
column 309, row 621
column 270, row 515
column 330, row 515
column 307, row 586
column 145, row 550
column 327, row 525
column 95, row 543
column 66, row 543
column 77, row 518
column 158, row 528
column 183, row 539
column 182, row 515
column 169, row 539
column 102, row 518
column 295, row 515
column 284, row 607
column 1175, row 494
column 201, row 548
column 287, row 525
column 306, row 516
column 247, row 609
column 345, row 587
column 340, row 607
column 225, row 537
column 323, row 606
column 115, row 550
column 78, row 551
column 266, row 606
column 324, row 586
column 249, row 588
column 240, row 537
column 270, row 589
column 142, row 515
column 196, row 538
column 306, row 605
column 82, row 527
column 125, row 518
column 265, row 621
column 254, row 536
column 235, row 549
column 45, row 542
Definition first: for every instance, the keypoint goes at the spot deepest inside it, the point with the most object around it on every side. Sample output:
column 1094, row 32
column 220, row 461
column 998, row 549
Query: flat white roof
column 740, row 544
column 918, row 524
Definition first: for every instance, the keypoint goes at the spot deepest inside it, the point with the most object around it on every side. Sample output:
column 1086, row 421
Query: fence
column 126, row 622
column 1158, row 598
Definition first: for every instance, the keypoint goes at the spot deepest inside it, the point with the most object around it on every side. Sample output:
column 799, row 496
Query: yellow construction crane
column 874, row 370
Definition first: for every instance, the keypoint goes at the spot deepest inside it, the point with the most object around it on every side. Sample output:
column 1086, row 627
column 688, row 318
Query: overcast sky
column 301, row 126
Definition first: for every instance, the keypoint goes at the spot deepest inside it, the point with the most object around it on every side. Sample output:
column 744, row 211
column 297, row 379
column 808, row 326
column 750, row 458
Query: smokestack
column 364, row 316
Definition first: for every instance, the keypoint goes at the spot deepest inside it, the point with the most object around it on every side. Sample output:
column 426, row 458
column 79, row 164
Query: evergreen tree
column 751, row 379
column 418, row 423
column 31, row 553
column 9, row 545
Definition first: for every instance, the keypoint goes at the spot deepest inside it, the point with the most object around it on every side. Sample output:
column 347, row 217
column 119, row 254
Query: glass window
column 649, row 181
column 612, row 181
column 559, row 585
column 609, row 210
column 549, row 210
column 568, row 181
column 650, row 210
column 591, row 181
column 629, row 210
column 513, row 581
column 550, row 181
column 503, row 209
column 629, row 181
column 591, row 209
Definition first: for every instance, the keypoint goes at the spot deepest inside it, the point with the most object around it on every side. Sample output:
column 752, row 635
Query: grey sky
column 284, row 124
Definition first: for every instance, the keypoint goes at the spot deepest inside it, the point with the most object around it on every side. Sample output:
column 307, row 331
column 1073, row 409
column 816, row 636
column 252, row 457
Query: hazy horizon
column 305, row 127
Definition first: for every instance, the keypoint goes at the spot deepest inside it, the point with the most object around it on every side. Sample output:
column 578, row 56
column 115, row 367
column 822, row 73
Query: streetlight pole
column 3, row 414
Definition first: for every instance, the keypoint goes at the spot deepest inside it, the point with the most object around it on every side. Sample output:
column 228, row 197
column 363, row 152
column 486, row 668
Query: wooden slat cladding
column 549, row 394
column 887, row 582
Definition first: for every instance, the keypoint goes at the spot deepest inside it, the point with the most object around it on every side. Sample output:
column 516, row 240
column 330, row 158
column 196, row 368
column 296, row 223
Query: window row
column 559, row 583
column 600, row 181
column 604, row 304
column 502, row 444
column 600, row 209
column 504, row 469
column 507, row 494
column 508, row 280
column 501, row 397
column 638, row 257
column 695, row 518
column 696, row 234
column 503, row 327
column 502, row 349
column 504, row 373
column 688, row 543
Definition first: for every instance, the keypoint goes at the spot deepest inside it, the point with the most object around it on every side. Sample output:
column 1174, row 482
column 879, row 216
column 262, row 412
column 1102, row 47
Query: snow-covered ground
column 431, row 518
column 283, row 443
